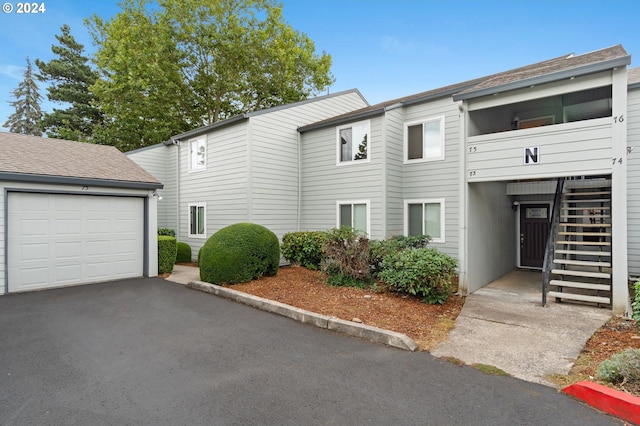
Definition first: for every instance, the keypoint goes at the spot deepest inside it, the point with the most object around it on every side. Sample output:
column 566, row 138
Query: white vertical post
column 619, row 266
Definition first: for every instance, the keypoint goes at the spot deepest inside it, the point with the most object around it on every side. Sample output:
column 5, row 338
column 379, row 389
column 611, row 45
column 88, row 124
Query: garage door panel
column 68, row 227
column 74, row 239
column 31, row 227
column 35, row 252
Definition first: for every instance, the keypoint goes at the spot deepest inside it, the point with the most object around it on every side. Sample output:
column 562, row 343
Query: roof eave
column 547, row 78
column 206, row 129
column 338, row 121
column 68, row 180
column 433, row 96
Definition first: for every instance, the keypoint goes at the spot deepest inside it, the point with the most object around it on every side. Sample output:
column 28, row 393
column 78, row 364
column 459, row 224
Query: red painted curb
column 611, row 401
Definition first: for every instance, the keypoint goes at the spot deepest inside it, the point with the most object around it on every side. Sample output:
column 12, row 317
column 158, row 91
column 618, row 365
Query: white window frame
column 365, row 123
column 424, row 159
column 367, row 204
column 424, row 201
column 197, row 167
column 197, row 205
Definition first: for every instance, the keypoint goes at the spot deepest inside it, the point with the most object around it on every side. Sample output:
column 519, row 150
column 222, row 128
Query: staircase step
column 584, row 216
column 582, row 263
column 586, row 225
column 584, row 243
column 601, row 208
column 572, row 194
column 580, row 297
column 588, row 200
column 581, row 273
column 584, row 252
column 577, row 284
column 586, row 234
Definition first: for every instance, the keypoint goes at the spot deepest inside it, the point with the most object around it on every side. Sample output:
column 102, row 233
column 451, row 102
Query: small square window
column 425, row 217
column 197, row 220
column 353, row 143
column 424, row 140
column 197, row 154
column 354, row 214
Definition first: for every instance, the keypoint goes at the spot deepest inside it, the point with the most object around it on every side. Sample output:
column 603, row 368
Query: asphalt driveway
column 152, row 352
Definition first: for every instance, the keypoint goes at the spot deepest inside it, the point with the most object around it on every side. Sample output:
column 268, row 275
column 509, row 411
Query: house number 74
column 617, row 160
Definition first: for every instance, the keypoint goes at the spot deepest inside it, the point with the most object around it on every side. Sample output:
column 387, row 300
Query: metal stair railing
column 549, row 248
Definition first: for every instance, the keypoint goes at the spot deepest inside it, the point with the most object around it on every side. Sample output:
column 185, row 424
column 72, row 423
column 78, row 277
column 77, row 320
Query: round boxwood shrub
column 239, row 253
column 184, row 253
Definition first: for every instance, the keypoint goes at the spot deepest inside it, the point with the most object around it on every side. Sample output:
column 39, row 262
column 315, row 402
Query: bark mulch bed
column 427, row 325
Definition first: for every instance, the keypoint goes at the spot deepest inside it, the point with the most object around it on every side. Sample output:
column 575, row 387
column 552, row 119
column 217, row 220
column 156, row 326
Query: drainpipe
column 299, row 201
column 463, row 285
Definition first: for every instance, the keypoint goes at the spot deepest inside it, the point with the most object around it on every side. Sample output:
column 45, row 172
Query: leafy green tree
column 182, row 64
column 70, row 78
column 27, row 115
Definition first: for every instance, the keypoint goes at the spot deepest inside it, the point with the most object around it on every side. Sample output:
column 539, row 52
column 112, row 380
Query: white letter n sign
column 531, row 155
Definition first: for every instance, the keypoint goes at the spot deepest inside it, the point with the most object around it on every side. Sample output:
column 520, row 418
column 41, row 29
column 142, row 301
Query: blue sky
column 384, row 48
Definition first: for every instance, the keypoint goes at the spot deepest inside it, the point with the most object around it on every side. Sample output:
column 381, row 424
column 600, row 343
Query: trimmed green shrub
column 378, row 250
column 167, row 249
column 623, row 367
column 239, row 253
column 184, row 253
column 304, row 248
column 346, row 260
column 423, row 272
column 166, row 231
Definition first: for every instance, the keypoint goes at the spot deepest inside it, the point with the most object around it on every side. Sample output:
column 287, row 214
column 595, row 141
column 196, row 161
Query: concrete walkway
column 504, row 325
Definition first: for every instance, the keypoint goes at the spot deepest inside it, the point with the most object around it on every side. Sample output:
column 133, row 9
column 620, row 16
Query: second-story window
column 197, row 154
column 353, row 142
column 424, row 140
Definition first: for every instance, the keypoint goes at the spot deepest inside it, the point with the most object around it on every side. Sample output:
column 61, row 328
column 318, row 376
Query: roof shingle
column 33, row 155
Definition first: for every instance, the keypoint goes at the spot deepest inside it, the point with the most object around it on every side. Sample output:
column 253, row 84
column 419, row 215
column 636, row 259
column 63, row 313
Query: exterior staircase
column 581, row 269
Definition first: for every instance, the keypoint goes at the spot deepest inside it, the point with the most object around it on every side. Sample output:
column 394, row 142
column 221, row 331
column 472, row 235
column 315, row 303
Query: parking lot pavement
column 151, row 352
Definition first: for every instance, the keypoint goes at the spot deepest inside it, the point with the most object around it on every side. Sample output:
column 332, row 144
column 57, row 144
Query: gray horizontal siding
column 633, row 183
column 222, row 185
column 437, row 179
column 569, row 149
column 324, row 182
column 274, row 159
column 161, row 161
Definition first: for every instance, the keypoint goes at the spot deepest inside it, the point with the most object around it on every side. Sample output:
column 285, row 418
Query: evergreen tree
column 26, row 119
column 70, row 78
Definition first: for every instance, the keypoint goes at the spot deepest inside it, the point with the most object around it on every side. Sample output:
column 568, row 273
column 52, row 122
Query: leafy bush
column 423, row 272
column 636, row 302
column 304, row 248
column 239, row 253
column 346, row 257
column 623, row 367
column 391, row 246
column 166, row 231
column 184, row 253
column 167, row 249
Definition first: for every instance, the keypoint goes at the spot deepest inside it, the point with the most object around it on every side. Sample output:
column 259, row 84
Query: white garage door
column 56, row 240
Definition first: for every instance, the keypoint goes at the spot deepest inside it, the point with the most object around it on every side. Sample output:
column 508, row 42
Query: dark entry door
column 534, row 230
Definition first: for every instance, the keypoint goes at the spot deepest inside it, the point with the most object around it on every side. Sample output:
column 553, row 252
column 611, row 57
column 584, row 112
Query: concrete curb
column 363, row 331
column 612, row 401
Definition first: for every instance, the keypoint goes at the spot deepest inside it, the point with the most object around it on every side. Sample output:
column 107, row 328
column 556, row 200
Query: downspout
column 462, row 195
column 178, row 191
column 299, row 201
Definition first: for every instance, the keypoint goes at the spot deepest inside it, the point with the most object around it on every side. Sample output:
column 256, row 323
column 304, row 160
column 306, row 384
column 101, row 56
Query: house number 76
column 618, row 119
